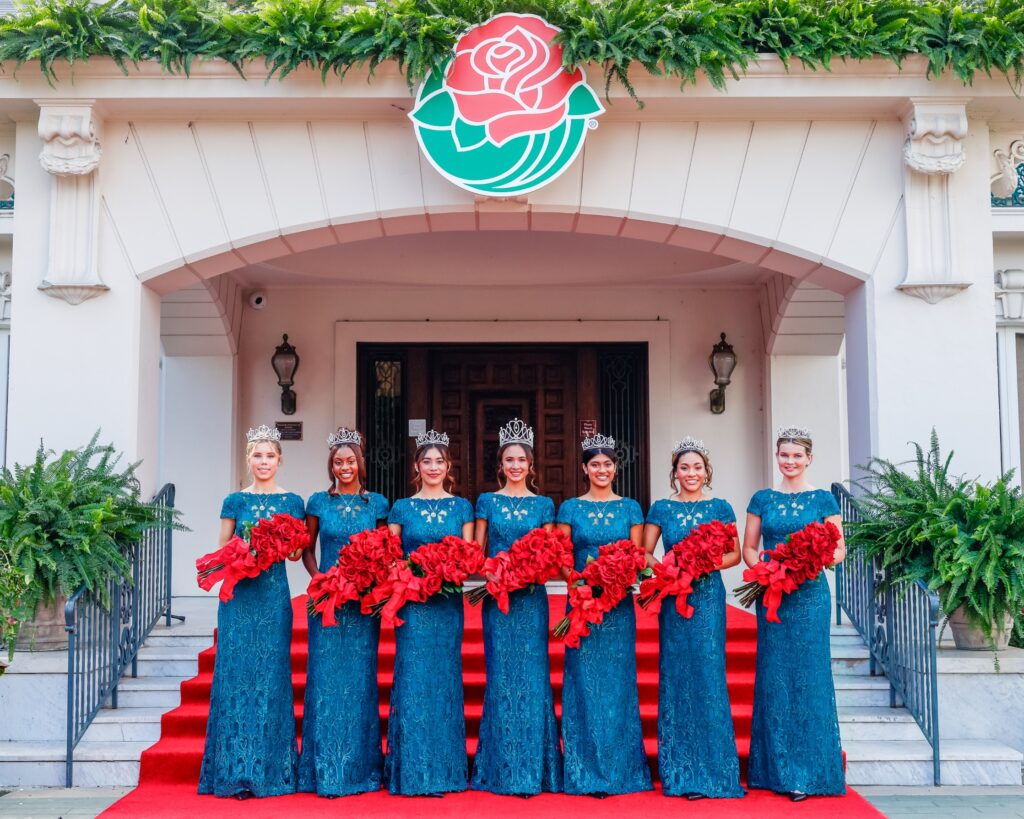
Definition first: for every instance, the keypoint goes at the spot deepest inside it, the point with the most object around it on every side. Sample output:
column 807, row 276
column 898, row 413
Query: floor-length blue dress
column 794, row 738
column 518, row 751
column 341, row 747
column 426, row 725
column 250, row 734
column 696, row 741
column 601, row 732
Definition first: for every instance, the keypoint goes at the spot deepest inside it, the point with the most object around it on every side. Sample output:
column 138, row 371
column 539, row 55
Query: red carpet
column 170, row 768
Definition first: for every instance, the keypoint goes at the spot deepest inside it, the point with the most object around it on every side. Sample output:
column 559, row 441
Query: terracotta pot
column 969, row 637
column 45, row 631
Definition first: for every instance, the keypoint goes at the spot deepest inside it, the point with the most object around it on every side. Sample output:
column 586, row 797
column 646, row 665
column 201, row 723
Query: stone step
column 126, row 724
column 963, row 762
column 873, row 723
column 168, row 661
column 150, row 692
column 97, row 764
column 861, row 690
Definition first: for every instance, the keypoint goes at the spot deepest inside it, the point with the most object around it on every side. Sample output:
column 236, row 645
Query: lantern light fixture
column 722, row 362
column 285, row 362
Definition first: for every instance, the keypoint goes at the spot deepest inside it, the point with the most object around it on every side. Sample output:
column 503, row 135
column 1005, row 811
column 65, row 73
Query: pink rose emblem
column 507, row 75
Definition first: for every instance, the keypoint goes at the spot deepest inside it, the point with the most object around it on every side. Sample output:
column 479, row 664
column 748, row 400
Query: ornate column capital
column 935, row 133
column 932, row 151
column 70, row 132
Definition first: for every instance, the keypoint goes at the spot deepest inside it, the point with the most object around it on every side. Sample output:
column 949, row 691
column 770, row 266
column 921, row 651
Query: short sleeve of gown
column 483, row 506
column 296, row 506
column 756, row 503
column 565, row 512
column 314, row 504
column 380, row 507
column 397, row 514
column 655, row 516
column 227, row 509
column 828, row 504
column 464, row 510
column 724, row 511
column 547, row 511
column 634, row 513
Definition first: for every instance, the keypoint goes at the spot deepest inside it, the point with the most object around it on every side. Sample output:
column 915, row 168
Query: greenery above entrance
column 681, row 38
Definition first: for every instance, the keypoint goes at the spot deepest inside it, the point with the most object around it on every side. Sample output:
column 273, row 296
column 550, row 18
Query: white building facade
column 850, row 232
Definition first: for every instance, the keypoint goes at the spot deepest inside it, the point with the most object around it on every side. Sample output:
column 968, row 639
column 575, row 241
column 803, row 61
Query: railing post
column 839, row 594
column 933, row 622
column 136, row 630
column 71, row 627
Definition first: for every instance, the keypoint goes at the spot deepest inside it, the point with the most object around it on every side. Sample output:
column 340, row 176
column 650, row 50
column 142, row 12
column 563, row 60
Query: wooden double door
column 471, row 391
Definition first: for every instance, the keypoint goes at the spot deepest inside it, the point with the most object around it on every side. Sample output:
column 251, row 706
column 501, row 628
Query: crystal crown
column 432, row 438
column 515, row 431
column 690, row 444
column 263, row 433
column 598, row 441
column 792, row 432
column 344, row 435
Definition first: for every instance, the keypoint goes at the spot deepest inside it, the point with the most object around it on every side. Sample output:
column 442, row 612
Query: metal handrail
column 104, row 642
column 899, row 626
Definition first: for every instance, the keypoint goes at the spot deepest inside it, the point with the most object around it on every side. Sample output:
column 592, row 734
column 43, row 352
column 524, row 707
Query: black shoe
column 599, row 794
column 797, row 796
column 693, row 797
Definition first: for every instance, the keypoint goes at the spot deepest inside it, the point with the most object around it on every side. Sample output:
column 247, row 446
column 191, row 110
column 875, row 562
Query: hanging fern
column 678, row 38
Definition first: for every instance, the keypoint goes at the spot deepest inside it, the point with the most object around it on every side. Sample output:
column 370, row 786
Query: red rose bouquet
column 362, row 566
column 281, row 537
column 801, row 558
column 433, row 568
column 537, row 557
column 695, row 556
column 600, row 587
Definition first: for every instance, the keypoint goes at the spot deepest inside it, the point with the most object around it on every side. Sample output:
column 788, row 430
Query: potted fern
column 65, row 521
column 963, row 539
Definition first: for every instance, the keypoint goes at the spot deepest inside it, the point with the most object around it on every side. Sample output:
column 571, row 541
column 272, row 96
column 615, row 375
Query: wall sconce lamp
column 723, row 362
column 285, row 363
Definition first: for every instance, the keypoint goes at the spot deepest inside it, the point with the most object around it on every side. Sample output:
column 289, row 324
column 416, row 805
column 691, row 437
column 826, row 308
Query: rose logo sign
column 504, row 117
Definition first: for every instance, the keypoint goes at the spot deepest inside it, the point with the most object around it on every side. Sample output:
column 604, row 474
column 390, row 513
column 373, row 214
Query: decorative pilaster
column 5, row 300
column 932, row 152
column 71, row 152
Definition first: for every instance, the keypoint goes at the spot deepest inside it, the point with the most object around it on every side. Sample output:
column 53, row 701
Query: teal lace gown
column 341, row 748
column 426, row 725
column 250, row 734
column 601, row 732
column 794, row 738
column 518, row 751
column 696, row 741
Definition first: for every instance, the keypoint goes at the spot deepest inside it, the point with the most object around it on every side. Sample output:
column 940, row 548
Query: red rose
column 507, row 75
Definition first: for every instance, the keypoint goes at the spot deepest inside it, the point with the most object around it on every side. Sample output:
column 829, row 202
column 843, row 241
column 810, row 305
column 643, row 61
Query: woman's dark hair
column 417, row 481
column 357, row 450
column 673, row 482
column 531, row 476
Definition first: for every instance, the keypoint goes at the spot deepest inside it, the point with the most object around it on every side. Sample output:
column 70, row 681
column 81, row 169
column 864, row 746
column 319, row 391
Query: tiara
column 344, row 435
column 789, row 433
column 515, row 431
column 263, row 433
column 690, row 444
column 432, row 438
column 598, row 441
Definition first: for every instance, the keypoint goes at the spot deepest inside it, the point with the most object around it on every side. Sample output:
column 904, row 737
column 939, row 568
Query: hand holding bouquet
column 600, row 587
column 281, row 537
column 537, row 557
column 801, row 558
column 695, row 556
column 433, row 568
column 362, row 565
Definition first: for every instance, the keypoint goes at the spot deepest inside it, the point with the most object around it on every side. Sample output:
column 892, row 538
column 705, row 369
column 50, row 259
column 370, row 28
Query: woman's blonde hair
column 799, row 440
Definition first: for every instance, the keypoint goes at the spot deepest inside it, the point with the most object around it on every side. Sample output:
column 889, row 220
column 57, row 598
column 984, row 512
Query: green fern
column 65, row 521
column 679, row 38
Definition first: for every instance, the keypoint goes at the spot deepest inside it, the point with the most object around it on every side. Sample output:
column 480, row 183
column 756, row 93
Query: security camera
column 258, row 300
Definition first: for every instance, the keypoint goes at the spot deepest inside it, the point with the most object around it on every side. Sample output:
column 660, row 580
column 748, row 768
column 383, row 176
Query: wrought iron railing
column 899, row 626
column 104, row 643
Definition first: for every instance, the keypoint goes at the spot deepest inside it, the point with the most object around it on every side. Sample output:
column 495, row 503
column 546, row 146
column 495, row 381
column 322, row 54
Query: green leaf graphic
column 468, row 135
column 583, row 102
column 436, row 111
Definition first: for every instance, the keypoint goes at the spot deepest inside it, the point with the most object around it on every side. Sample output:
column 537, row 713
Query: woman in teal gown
column 696, row 742
column 601, row 731
column 341, row 739
column 426, row 725
column 518, row 750
column 794, row 738
column 250, row 734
